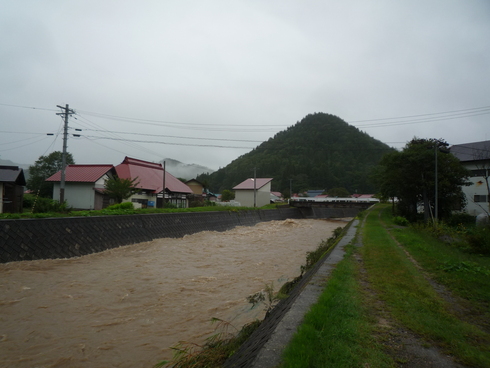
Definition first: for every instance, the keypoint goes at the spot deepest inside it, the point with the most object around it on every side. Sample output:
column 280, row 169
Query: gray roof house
column 475, row 157
column 253, row 191
column 12, row 182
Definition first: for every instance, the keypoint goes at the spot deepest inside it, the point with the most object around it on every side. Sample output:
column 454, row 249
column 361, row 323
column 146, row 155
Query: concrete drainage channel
column 264, row 347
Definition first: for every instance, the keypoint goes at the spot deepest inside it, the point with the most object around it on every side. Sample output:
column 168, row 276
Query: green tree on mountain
column 320, row 151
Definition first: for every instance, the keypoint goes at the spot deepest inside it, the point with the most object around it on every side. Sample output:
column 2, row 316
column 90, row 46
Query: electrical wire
column 179, row 137
column 396, row 123
column 167, row 143
column 434, row 113
column 132, row 145
column 27, row 107
column 115, row 117
column 24, row 145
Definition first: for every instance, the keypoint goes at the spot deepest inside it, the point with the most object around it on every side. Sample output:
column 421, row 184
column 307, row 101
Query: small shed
column 253, row 191
column 12, row 182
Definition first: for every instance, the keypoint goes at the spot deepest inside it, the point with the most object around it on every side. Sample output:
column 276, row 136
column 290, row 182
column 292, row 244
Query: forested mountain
column 320, row 152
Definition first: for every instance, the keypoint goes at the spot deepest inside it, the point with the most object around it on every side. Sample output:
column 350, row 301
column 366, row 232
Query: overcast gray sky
column 203, row 76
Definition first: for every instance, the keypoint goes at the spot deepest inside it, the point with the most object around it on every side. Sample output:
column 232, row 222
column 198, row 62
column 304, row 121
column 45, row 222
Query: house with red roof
column 253, row 192
column 276, row 197
column 84, row 186
column 151, row 180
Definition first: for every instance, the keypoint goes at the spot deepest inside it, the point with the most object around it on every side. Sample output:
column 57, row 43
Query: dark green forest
column 320, row 152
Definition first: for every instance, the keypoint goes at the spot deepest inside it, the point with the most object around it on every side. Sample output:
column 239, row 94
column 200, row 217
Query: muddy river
column 125, row 307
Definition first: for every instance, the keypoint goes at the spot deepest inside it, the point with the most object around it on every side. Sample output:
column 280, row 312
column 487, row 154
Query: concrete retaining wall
column 30, row 239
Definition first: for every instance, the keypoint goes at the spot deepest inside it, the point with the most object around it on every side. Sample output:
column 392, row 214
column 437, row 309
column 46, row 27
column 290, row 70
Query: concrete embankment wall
column 30, row 239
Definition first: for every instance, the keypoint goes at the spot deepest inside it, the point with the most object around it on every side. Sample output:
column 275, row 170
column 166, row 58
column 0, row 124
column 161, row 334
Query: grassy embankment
column 127, row 211
column 343, row 329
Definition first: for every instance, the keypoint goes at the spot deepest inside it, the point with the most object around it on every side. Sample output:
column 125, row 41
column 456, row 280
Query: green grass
column 337, row 331
column 118, row 212
column 341, row 330
column 411, row 299
column 214, row 352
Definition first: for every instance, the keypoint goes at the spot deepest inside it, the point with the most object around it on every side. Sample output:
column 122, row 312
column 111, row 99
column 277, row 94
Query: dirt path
column 406, row 348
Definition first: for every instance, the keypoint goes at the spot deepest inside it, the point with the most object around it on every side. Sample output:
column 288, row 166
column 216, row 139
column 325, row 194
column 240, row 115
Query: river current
column 127, row 306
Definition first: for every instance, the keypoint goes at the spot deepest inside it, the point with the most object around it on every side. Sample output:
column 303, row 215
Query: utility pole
column 436, row 190
column 66, row 114
column 255, row 187
column 163, row 192
column 290, row 189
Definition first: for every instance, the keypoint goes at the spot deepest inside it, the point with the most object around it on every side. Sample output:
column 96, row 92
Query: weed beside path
column 381, row 307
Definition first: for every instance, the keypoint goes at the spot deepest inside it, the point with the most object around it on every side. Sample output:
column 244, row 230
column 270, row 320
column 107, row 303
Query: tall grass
column 410, row 297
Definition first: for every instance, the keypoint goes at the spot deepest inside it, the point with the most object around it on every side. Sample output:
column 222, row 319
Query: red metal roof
column 82, row 173
column 150, row 176
column 249, row 183
column 366, row 196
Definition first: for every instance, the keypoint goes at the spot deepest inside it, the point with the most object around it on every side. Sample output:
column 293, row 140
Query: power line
column 174, row 136
column 27, row 107
column 419, row 121
column 139, row 120
column 434, row 113
column 135, row 146
column 167, row 143
column 24, row 145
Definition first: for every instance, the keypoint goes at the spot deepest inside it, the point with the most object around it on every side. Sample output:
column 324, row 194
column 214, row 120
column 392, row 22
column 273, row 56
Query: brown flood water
column 125, row 307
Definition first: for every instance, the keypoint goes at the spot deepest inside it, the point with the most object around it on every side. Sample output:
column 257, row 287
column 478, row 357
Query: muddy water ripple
column 125, row 307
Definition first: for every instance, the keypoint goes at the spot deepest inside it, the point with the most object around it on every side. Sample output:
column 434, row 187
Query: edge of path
column 264, row 348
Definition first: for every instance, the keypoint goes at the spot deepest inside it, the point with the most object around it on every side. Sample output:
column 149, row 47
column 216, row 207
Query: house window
column 480, row 198
column 480, row 172
column 139, row 200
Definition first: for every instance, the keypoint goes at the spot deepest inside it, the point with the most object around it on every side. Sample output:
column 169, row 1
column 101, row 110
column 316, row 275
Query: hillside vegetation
column 320, row 152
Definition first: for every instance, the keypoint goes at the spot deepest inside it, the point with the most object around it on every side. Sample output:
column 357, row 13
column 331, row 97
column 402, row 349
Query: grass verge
column 467, row 275
column 119, row 212
column 337, row 331
column 409, row 296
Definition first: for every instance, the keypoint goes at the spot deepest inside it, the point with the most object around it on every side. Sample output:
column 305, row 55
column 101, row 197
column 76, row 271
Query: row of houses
column 85, row 184
column 84, row 187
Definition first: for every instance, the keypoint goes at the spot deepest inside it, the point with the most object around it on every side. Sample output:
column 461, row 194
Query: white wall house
column 84, row 186
column 150, row 181
column 253, row 190
column 476, row 158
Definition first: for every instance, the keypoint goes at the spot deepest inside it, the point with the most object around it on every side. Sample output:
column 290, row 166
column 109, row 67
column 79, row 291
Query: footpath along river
column 125, row 307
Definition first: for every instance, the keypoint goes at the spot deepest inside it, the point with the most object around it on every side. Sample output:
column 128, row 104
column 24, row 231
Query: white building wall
column 137, row 198
column 77, row 195
column 246, row 197
column 477, row 187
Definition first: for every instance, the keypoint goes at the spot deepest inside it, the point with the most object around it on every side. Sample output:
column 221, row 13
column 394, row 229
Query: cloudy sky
column 209, row 80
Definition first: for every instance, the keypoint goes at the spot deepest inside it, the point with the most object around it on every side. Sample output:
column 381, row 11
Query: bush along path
column 399, row 298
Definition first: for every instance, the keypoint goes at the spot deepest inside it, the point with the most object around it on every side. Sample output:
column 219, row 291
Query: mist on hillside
column 185, row 171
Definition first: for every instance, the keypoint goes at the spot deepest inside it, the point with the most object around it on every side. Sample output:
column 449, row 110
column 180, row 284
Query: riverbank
column 400, row 298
